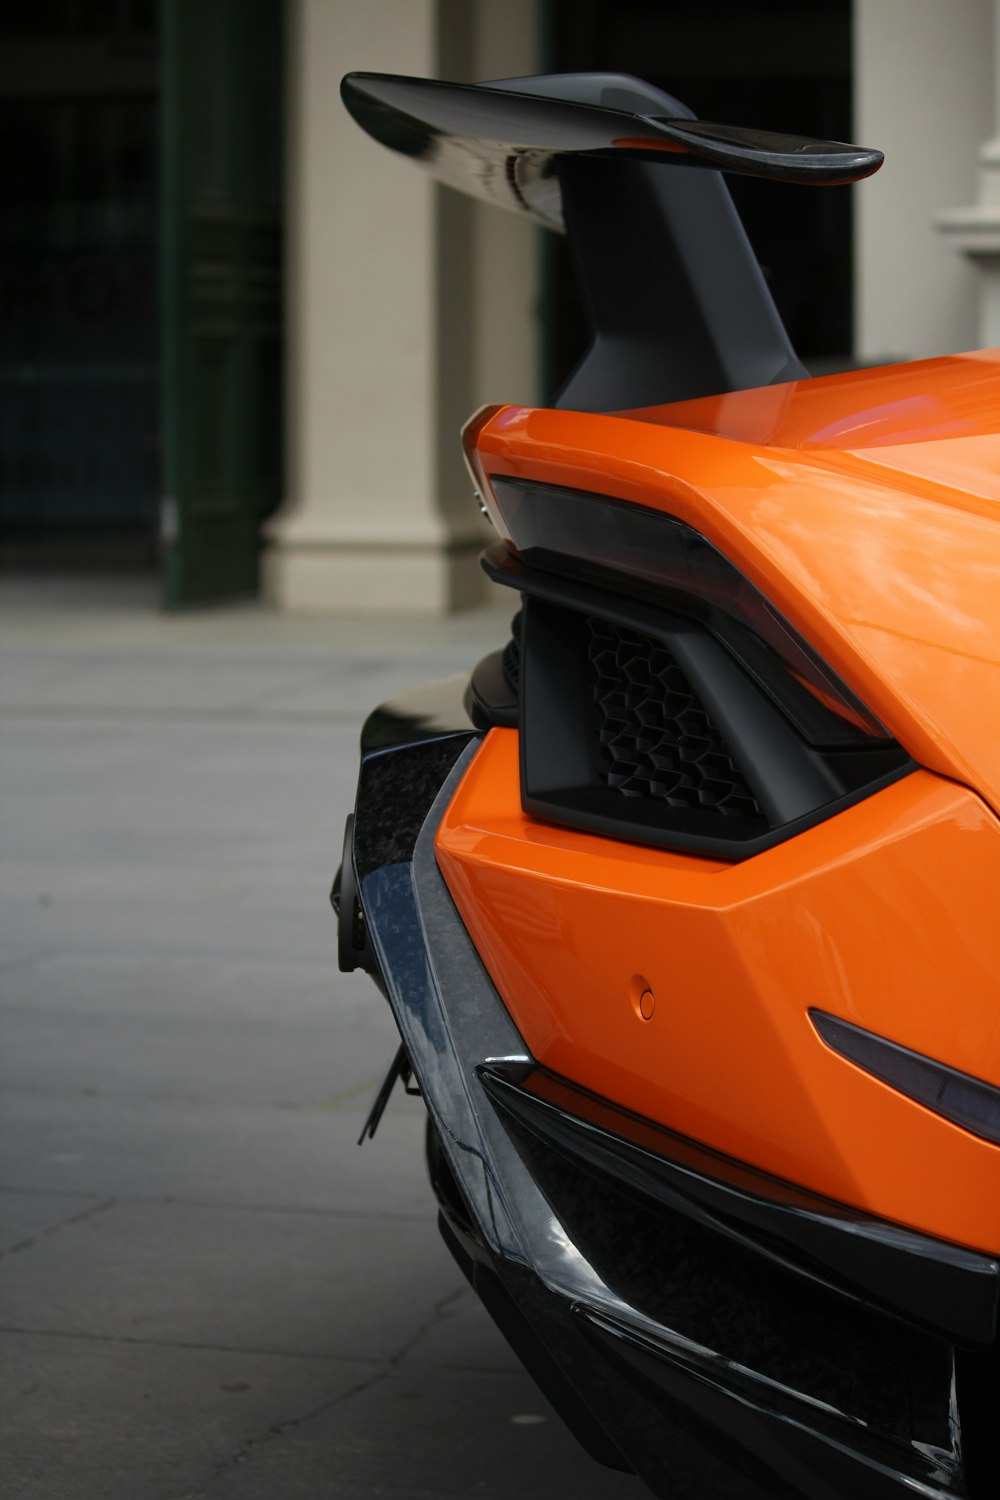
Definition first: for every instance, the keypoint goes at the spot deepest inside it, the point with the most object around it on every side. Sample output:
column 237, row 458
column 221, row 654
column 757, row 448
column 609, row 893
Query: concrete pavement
column 206, row 1288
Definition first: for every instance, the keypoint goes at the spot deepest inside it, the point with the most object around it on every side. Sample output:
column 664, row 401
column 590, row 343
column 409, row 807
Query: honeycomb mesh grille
column 655, row 738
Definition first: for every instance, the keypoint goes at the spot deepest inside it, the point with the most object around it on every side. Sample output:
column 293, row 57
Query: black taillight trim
column 621, row 546
column 795, row 784
column 964, row 1100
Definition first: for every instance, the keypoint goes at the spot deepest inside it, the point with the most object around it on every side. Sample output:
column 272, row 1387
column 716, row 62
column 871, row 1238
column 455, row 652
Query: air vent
column 656, row 739
column 639, row 724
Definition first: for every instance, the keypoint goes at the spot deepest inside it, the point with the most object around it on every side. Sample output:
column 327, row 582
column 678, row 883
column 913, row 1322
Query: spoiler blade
column 502, row 144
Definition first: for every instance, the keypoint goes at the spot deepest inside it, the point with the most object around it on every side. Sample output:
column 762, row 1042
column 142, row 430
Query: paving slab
column 467, row 1339
column 252, row 1035
column 149, row 979
column 27, row 1217
column 95, row 1419
column 233, row 1278
column 173, row 1149
column 419, row 1434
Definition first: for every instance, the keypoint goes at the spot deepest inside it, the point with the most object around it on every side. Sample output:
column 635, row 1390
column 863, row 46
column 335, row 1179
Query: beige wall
column 924, row 83
column 407, row 307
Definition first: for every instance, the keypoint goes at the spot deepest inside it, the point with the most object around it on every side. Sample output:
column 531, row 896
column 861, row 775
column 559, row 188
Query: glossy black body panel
column 773, row 154
column 429, row 712
column 736, row 1444
column 952, row 1291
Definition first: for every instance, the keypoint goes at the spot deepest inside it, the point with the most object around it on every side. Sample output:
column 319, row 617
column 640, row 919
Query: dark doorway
column 141, row 287
column 776, row 65
column 79, row 371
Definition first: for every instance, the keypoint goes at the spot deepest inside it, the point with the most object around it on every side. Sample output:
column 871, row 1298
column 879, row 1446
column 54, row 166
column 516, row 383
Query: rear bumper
column 678, row 1337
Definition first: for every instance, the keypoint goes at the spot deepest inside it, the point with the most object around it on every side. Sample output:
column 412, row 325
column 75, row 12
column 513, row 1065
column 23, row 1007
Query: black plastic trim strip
column 948, row 1289
column 967, row 1101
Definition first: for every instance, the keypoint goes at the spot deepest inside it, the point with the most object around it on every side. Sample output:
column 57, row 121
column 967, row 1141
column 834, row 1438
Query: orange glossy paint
column 886, row 915
column 866, row 506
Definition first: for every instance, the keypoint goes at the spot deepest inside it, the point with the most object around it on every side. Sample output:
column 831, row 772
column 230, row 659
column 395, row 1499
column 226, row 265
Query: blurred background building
column 238, row 338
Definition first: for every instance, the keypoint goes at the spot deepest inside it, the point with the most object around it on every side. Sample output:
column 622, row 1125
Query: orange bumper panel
column 680, row 987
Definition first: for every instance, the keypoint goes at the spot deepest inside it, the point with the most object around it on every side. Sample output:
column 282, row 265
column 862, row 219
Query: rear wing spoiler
column 678, row 303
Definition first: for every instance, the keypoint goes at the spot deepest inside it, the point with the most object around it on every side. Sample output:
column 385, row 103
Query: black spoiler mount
column 678, row 303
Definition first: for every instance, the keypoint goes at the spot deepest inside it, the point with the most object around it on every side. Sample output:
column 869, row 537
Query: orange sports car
column 687, row 902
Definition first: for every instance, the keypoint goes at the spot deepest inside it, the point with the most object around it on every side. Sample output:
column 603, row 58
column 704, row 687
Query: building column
column 975, row 231
column 399, row 292
column 924, row 94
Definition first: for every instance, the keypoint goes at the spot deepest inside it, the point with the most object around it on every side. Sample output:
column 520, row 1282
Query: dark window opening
column 79, row 336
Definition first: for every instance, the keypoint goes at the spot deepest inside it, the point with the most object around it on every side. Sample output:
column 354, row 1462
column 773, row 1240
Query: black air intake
column 639, row 724
column 656, row 739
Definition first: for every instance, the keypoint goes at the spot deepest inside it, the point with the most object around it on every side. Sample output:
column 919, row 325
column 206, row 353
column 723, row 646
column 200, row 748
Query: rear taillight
column 611, row 542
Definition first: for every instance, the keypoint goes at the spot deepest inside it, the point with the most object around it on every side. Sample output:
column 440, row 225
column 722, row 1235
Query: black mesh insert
column 656, row 740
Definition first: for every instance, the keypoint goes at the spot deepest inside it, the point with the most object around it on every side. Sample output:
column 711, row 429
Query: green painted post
column 221, row 282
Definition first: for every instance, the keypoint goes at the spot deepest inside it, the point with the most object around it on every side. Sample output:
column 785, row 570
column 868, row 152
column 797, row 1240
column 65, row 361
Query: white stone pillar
column 975, row 231
column 393, row 288
column 923, row 80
